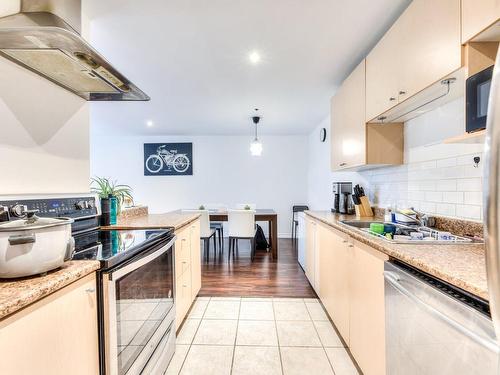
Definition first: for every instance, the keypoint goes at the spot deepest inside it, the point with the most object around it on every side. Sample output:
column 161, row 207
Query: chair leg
column 205, row 244
column 252, row 249
column 230, row 240
column 220, row 238
column 215, row 243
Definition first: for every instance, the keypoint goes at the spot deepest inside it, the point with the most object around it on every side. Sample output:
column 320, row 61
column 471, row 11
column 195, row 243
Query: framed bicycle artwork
column 168, row 159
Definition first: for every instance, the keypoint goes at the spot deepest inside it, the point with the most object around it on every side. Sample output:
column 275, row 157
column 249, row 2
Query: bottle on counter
column 113, row 209
column 388, row 215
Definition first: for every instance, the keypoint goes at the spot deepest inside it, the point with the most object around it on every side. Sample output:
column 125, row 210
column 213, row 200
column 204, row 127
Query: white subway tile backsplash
column 446, row 209
column 446, row 185
column 433, row 196
column 453, row 197
column 473, row 197
column 450, row 162
column 469, row 212
column 470, row 184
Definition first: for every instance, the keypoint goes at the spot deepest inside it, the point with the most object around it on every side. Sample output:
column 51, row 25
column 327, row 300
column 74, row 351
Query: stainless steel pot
column 34, row 245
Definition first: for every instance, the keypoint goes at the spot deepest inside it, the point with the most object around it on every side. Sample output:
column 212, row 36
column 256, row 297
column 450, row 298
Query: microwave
column 477, row 93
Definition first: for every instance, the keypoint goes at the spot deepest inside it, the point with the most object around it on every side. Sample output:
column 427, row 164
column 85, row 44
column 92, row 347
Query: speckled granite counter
column 175, row 219
column 18, row 293
column 460, row 265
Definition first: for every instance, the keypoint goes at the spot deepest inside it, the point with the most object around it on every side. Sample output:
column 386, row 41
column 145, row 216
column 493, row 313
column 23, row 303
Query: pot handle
column 22, row 239
column 70, row 249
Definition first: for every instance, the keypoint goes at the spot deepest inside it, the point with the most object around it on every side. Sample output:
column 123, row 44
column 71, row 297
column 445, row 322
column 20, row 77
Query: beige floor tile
column 253, row 332
column 327, row 334
column 341, row 362
column 188, row 331
column 216, row 332
column 300, row 361
column 218, row 309
column 225, row 298
column 175, row 364
column 256, row 310
column 311, row 300
column 203, row 298
column 316, row 311
column 287, row 299
column 297, row 334
column 198, row 309
column 208, row 360
column 254, row 360
column 291, row 311
column 256, row 299
column 138, row 311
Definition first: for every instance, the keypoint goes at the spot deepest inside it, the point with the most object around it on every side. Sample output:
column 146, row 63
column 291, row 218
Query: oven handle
column 394, row 279
column 115, row 275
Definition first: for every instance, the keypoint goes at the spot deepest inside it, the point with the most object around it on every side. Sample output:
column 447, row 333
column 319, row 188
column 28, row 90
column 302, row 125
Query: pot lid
column 33, row 223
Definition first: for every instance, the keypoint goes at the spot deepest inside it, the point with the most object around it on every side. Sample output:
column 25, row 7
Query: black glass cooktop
column 112, row 247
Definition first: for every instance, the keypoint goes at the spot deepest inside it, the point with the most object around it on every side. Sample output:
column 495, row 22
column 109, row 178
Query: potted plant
column 112, row 197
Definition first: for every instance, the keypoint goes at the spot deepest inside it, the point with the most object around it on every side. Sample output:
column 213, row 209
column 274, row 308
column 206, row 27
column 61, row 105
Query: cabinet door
column 183, row 297
column 310, row 250
column 430, row 46
column 348, row 141
column 195, row 259
column 367, row 312
column 478, row 15
column 382, row 74
column 334, row 277
column 182, row 251
column 57, row 335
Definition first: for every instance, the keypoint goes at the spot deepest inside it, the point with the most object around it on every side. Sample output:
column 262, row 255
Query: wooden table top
column 258, row 211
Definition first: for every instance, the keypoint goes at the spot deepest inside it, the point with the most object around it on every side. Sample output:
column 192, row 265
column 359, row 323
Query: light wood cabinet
column 478, row 15
column 422, row 47
column 334, row 255
column 312, row 260
column 56, row 335
column 354, row 144
column 187, row 269
column 367, row 312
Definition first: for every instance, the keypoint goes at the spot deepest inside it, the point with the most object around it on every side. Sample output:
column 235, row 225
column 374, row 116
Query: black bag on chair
column 260, row 239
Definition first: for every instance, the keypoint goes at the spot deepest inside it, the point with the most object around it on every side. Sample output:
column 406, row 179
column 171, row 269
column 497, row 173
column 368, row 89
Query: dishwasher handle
column 394, row 279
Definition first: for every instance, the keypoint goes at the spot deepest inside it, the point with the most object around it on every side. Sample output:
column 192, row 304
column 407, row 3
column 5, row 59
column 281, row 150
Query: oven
column 138, row 312
column 477, row 94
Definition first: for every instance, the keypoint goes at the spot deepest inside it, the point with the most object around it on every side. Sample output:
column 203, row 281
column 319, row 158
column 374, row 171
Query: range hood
column 45, row 38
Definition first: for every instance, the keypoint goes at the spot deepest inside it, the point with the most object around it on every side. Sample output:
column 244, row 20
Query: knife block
column 364, row 209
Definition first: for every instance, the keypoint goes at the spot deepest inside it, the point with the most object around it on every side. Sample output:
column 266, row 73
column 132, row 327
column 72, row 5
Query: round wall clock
column 322, row 135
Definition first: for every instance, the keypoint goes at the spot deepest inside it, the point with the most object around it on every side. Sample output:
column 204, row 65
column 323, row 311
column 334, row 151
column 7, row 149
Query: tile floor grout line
column 321, row 341
column 277, row 338
column 236, row 336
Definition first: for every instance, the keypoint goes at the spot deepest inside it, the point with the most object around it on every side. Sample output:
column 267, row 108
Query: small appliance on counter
column 136, row 273
column 342, row 192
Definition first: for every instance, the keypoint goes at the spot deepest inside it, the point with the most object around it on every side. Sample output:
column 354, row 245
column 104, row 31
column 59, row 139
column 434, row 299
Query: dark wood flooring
column 263, row 277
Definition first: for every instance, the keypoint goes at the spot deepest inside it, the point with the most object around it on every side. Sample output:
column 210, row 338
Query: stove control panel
column 73, row 207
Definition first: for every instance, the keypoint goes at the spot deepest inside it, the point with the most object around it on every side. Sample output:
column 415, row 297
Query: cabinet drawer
column 182, row 296
column 182, row 252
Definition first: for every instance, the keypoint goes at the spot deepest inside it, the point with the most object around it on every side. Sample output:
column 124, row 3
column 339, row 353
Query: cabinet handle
column 184, row 262
column 342, row 164
column 90, row 290
column 402, row 93
column 183, row 240
column 350, row 245
column 392, row 98
column 184, row 286
column 344, row 241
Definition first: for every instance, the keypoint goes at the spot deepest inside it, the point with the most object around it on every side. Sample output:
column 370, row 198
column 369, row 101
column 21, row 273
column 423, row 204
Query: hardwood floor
column 261, row 278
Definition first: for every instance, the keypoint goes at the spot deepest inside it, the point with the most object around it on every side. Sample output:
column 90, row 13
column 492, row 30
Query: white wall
column 44, row 137
column 436, row 178
column 224, row 172
column 320, row 177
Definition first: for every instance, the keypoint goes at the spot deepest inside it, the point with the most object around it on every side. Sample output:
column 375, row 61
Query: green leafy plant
column 104, row 188
column 247, row 207
column 202, row 207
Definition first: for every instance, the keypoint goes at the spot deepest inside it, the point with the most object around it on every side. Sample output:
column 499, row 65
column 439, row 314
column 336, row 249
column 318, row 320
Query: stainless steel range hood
column 45, row 38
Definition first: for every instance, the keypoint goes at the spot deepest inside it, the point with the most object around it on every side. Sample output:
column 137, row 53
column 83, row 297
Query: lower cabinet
column 312, row 254
column 57, row 335
column 187, row 269
column 351, row 288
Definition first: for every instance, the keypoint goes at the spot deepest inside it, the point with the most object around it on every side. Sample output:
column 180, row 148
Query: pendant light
column 256, row 145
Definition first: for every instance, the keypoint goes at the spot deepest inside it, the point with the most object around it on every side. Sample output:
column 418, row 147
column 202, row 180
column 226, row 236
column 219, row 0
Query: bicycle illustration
column 169, row 158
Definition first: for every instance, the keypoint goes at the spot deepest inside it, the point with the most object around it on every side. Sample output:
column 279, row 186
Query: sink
column 430, row 234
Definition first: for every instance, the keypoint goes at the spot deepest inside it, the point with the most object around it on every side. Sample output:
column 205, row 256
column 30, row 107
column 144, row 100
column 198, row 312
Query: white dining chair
column 206, row 233
column 217, row 225
column 243, row 206
column 241, row 225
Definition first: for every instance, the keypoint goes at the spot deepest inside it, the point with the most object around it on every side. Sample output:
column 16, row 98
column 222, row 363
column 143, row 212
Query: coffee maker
column 342, row 192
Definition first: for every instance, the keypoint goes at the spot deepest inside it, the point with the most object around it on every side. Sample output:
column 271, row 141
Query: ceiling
column 192, row 58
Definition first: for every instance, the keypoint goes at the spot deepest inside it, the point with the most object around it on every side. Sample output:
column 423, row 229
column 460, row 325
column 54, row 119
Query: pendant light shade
column 256, row 145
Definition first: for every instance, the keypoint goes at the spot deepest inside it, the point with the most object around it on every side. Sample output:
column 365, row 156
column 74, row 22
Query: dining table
column 261, row 214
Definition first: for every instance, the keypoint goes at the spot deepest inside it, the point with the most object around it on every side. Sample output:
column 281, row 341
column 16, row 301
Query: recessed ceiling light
column 149, row 123
column 254, row 57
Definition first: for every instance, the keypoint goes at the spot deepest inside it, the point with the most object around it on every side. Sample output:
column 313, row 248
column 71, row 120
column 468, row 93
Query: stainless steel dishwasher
column 433, row 328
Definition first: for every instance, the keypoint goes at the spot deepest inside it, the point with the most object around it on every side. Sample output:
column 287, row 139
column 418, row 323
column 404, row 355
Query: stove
column 135, row 283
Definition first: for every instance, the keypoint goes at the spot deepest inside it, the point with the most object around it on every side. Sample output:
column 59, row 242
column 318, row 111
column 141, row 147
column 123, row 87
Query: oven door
column 139, row 312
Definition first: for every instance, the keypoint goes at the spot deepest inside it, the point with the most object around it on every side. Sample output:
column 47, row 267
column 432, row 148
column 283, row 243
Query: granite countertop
column 175, row 219
column 18, row 293
column 460, row 265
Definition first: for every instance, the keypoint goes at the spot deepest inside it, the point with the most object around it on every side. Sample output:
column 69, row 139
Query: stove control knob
column 80, row 205
column 18, row 210
column 90, row 204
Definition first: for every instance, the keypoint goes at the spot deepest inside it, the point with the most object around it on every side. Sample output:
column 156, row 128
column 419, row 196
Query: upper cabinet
column 478, row 15
column 353, row 143
column 422, row 47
